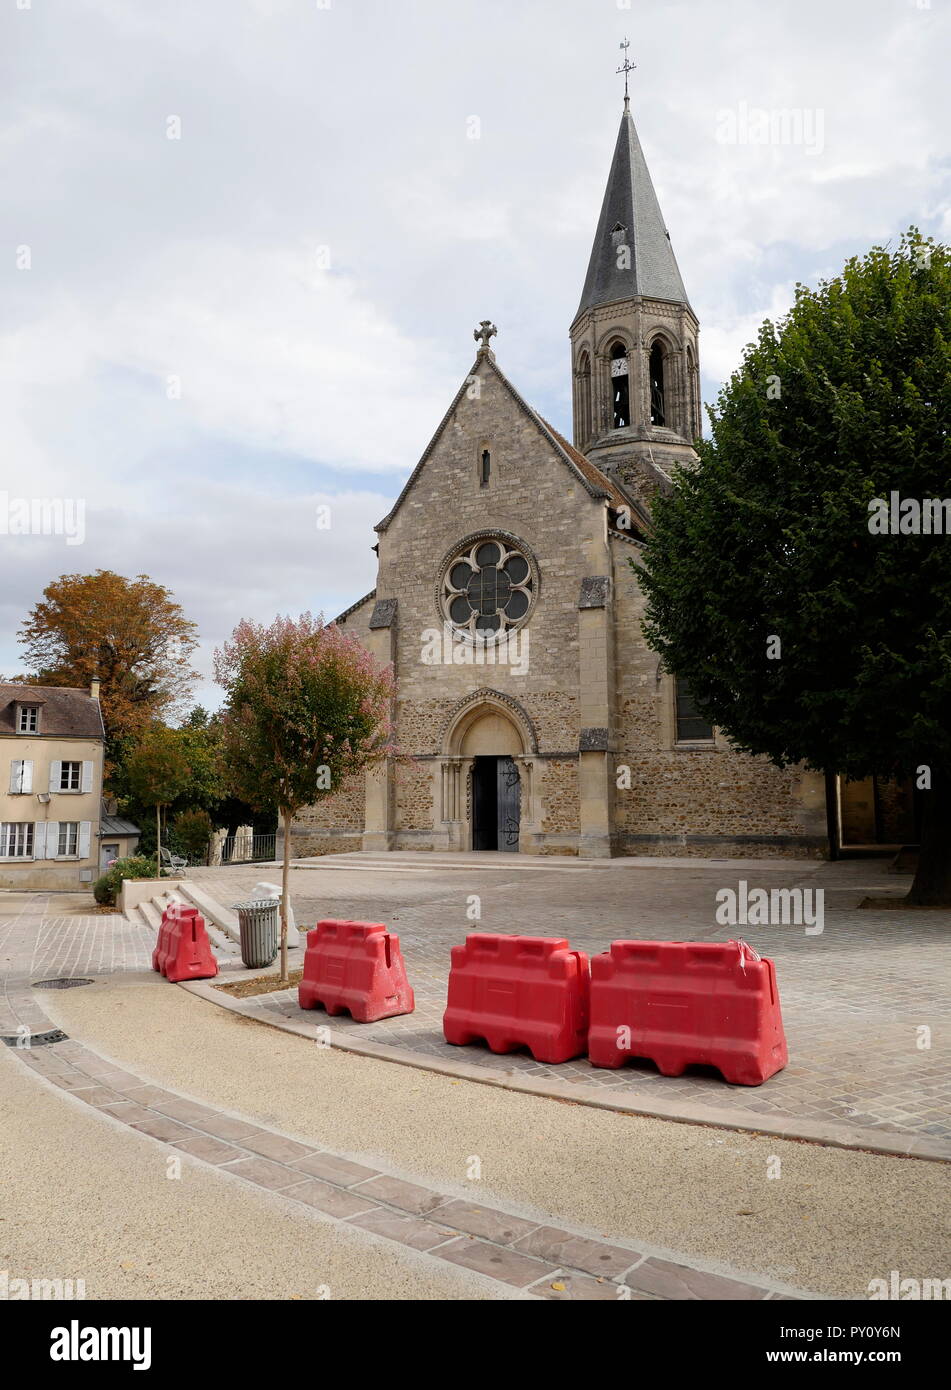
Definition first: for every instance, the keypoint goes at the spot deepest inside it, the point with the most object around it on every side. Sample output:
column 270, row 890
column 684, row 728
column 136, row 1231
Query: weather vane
column 626, row 67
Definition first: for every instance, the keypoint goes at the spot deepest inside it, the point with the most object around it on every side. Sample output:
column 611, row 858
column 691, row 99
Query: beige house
column 532, row 714
column 51, row 755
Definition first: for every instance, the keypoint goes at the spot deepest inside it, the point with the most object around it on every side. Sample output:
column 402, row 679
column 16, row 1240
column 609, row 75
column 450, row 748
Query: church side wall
column 697, row 800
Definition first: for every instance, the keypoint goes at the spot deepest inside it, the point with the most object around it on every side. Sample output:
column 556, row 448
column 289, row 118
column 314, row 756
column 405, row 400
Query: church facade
column 530, row 714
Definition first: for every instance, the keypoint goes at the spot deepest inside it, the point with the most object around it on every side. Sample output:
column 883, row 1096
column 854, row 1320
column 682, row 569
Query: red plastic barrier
column 183, row 951
column 356, row 966
column 519, row 991
column 680, row 1002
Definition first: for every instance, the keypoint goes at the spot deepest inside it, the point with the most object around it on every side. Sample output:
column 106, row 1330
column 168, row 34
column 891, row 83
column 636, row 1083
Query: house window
column 16, row 840
column 68, row 837
column 27, row 719
column 70, row 777
column 620, row 386
column 691, row 728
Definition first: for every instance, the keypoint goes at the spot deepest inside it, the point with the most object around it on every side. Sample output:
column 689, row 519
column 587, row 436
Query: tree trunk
column 932, row 885
column 158, row 840
column 286, row 817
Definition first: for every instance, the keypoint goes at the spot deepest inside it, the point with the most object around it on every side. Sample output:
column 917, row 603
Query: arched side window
column 584, row 398
column 620, row 386
column 656, row 370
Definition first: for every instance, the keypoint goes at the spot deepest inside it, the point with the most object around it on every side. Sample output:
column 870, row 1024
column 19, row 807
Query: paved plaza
column 654, row 1211
column 855, row 999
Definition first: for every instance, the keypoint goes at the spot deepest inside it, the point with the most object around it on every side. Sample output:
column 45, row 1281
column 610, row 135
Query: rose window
column 488, row 588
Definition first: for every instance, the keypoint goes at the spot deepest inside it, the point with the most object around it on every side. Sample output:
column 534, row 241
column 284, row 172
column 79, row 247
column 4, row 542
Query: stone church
column 531, row 716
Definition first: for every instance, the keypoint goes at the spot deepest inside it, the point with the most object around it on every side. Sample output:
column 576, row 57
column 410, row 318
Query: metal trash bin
column 260, row 932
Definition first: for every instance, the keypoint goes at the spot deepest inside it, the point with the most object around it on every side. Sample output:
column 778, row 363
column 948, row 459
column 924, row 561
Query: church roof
column 631, row 215
column 596, row 483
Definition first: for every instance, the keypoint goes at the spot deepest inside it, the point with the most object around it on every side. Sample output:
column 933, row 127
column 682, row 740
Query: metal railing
column 248, row 849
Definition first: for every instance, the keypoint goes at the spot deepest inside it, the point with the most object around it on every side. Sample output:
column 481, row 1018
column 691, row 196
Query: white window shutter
column 15, row 766
column 86, row 783
column 56, row 776
column 27, row 784
column 85, row 832
column 52, row 839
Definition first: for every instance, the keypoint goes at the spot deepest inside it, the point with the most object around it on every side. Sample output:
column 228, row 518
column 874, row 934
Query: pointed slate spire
column 631, row 215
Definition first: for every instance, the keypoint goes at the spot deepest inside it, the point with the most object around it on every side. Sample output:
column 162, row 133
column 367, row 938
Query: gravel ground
column 832, row 1221
column 84, row 1198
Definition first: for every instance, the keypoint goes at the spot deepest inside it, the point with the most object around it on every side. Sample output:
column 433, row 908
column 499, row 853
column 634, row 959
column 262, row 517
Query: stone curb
column 681, row 1112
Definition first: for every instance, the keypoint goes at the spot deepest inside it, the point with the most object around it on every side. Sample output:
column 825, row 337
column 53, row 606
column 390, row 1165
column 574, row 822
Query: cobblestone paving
column 854, row 998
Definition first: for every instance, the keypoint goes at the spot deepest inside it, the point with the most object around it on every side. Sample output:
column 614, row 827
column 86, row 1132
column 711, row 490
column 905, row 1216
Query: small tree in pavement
column 158, row 772
column 307, row 707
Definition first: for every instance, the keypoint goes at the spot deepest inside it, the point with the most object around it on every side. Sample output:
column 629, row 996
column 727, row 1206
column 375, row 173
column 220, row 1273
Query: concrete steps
column 221, row 919
column 149, row 913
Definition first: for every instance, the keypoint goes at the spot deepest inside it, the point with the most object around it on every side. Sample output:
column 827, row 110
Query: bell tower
column 634, row 354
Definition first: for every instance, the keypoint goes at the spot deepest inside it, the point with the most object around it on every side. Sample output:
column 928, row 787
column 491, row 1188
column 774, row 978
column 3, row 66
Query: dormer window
column 620, row 386
column 27, row 719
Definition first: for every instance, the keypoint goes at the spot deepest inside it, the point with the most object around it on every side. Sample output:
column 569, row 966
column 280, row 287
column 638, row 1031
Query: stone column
column 451, row 780
column 595, row 780
column 529, row 831
column 379, row 827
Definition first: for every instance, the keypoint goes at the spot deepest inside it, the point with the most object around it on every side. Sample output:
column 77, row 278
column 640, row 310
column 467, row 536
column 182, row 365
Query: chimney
column 94, row 689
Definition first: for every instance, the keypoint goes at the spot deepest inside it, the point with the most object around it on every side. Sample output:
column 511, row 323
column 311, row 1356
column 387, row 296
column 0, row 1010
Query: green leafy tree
column 157, row 772
column 307, row 707
column 191, row 831
column 772, row 536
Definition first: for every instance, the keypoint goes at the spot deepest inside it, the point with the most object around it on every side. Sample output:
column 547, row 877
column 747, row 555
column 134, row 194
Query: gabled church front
column 530, row 715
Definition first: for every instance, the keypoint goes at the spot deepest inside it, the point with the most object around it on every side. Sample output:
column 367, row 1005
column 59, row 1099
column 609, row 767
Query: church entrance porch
column 496, row 796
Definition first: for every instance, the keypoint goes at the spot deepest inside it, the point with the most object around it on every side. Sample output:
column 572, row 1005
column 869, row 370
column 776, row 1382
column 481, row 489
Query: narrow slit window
column 486, row 466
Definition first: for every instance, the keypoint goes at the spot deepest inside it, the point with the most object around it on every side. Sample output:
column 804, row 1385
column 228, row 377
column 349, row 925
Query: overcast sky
column 218, row 334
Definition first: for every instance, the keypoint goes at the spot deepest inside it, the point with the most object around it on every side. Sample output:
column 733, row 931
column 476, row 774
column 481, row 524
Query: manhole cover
column 28, row 1040
column 68, row 982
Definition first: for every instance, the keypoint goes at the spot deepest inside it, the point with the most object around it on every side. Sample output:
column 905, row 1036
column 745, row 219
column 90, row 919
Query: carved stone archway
column 485, row 722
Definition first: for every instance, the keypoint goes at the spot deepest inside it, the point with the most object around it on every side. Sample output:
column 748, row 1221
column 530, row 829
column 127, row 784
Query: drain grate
column 54, row 1035
column 67, row 982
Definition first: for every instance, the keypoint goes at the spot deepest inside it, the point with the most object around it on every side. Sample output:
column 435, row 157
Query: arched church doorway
column 496, row 804
column 487, row 745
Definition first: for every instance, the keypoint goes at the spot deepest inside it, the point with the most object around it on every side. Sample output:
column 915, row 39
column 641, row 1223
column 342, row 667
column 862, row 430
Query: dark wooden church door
column 496, row 804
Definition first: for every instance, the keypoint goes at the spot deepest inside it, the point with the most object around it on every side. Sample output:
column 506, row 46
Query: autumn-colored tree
column 130, row 634
column 157, row 772
column 307, row 706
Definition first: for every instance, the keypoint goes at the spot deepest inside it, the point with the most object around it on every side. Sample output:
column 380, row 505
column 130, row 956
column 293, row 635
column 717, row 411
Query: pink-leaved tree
column 307, row 706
